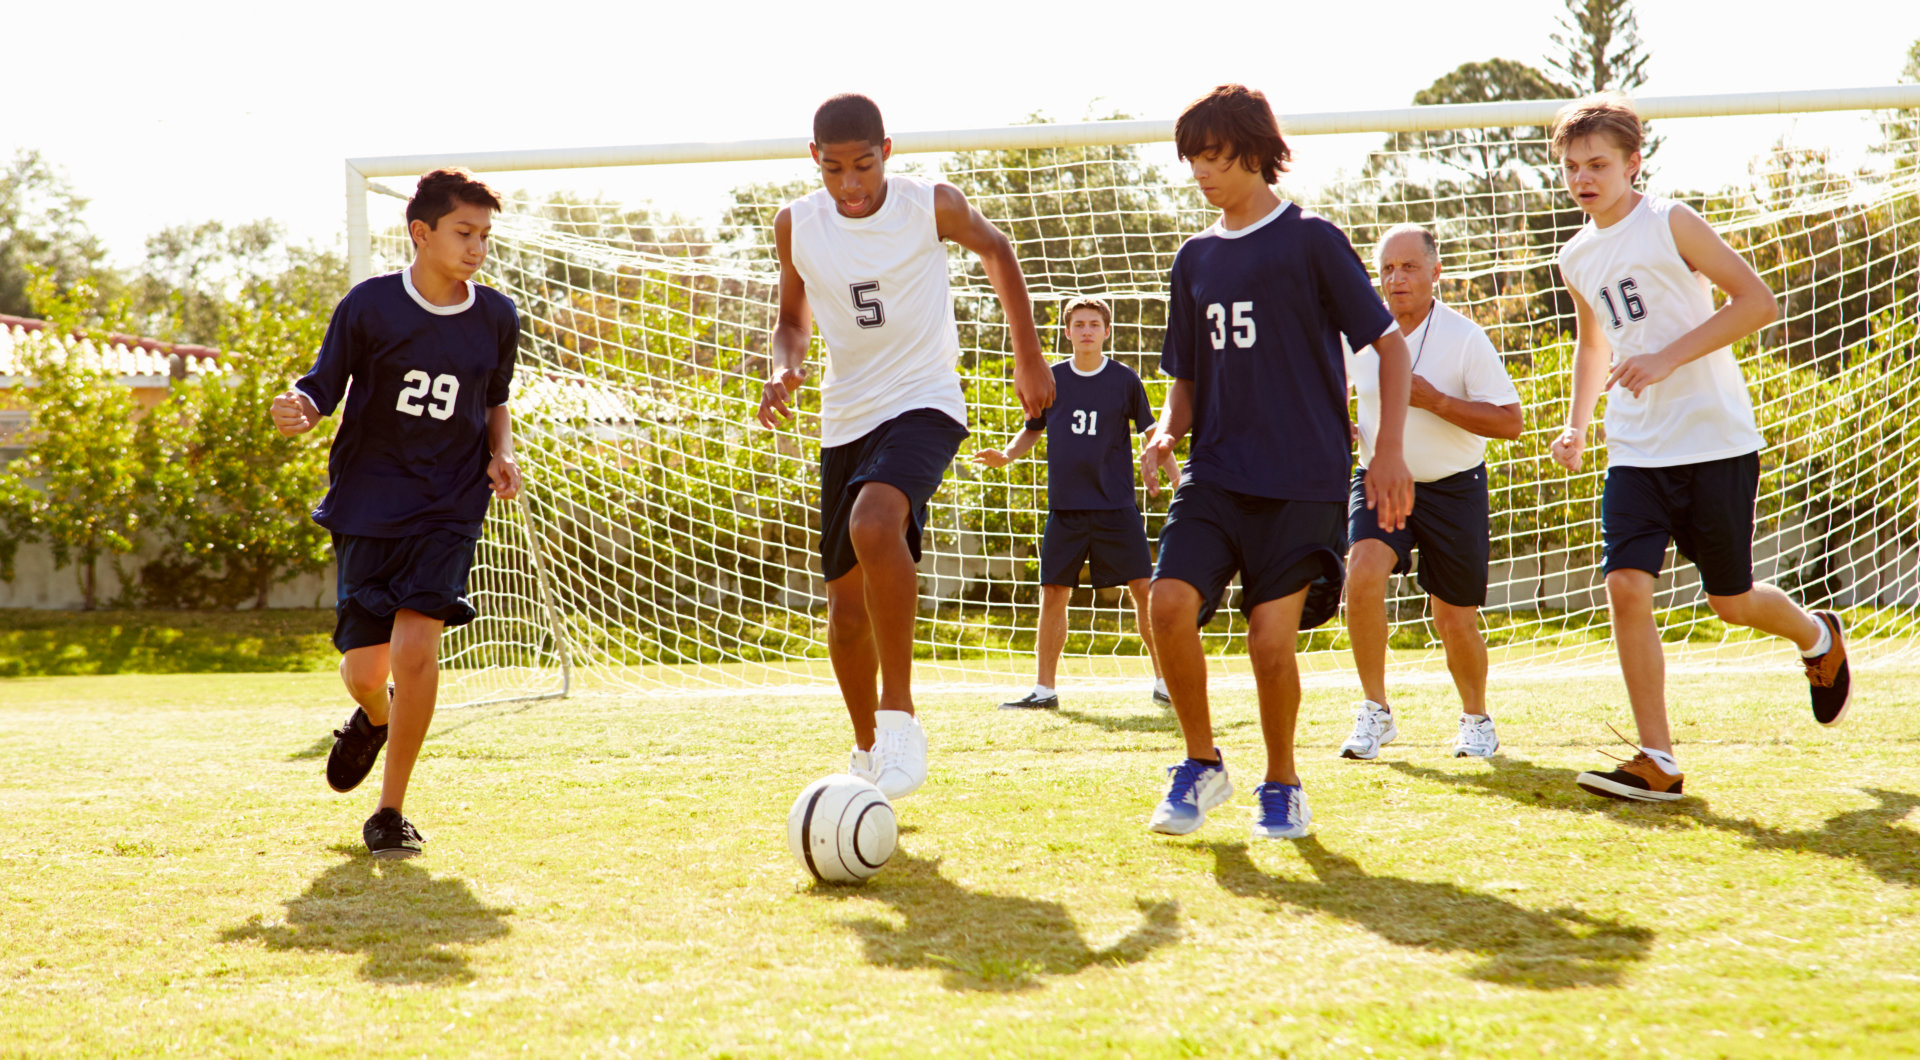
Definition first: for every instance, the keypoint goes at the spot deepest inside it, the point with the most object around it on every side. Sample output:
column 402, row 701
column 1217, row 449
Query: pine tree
column 1600, row 49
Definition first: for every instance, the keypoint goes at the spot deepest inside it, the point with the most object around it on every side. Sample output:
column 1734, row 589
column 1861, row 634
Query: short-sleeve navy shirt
column 1254, row 322
column 411, row 453
column 1089, row 447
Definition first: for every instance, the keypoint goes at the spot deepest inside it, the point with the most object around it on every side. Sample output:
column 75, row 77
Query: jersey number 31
column 445, row 389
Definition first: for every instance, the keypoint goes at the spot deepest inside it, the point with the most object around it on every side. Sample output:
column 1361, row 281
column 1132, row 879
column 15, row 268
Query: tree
column 1900, row 129
column 198, row 280
column 81, row 484
column 1599, row 42
column 230, row 491
column 42, row 227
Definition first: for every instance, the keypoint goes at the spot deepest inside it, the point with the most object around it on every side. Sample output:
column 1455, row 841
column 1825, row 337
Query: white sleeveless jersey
column 1644, row 296
column 878, row 288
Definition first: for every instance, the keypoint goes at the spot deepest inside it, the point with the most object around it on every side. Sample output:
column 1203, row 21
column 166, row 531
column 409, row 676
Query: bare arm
column 792, row 331
column 1389, row 485
column 503, row 474
column 1023, row 444
column 1590, row 355
column 1750, row 305
column 1176, row 419
column 957, row 221
column 1483, row 418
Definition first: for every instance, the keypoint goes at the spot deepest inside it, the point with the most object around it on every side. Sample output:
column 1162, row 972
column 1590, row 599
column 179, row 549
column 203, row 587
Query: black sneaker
column 1829, row 679
column 1032, row 701
column 390, row 836
column 356, row 743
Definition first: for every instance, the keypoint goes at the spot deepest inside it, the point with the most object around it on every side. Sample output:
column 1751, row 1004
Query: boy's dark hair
column 848, row 116
column 1085, row 301
column 1239, row 121
column 440, row 189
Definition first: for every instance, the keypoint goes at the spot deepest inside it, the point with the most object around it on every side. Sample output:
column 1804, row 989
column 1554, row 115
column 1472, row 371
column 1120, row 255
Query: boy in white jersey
column 866, row 254
column 1460, row 397
column 1682, row 449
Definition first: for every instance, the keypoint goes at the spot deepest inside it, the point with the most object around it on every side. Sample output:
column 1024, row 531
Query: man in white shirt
column 1461, row 397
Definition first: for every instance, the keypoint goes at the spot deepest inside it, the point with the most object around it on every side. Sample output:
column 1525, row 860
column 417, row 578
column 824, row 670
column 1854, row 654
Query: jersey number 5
column 1243, row 332
column 445, row 389
column 866, row 299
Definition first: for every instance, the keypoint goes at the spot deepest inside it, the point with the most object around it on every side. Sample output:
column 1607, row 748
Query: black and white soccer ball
column 842, row 829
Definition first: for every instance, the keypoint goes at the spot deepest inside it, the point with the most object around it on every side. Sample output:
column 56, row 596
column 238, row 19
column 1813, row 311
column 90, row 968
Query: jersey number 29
column 445, row 389
column 1242, row 324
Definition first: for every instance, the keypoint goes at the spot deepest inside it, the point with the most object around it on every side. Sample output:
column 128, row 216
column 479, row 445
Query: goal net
column 666, row 541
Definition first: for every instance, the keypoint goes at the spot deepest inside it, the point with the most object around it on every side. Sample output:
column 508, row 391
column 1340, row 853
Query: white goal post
column 663, row 543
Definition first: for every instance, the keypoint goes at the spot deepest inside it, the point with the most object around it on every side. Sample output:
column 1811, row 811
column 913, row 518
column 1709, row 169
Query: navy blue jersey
column 1089, row 454
column 411, row 453
column 1254, row 323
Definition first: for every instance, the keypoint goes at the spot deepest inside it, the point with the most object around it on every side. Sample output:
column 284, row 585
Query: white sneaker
column 1373, row 729
column 1477, row 738
column 899, row 755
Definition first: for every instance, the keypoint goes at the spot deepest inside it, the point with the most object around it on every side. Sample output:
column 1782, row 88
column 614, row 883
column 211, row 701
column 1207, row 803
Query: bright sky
column 174, row 113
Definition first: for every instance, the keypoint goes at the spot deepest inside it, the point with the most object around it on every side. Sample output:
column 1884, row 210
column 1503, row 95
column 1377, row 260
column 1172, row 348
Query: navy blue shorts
column 1449, row 526
column 380, row 575
column 1113, row 540
column 1277, row 547
column 910, row 452
column 1706, row 509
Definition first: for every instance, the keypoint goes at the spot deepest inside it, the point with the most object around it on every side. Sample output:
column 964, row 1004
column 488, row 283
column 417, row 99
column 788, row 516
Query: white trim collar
column 406, row 278
column 1236, row 233
column 1088, row 375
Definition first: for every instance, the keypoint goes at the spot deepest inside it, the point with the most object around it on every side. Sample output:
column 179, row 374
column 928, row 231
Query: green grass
column 59, row 643
column 610, row 878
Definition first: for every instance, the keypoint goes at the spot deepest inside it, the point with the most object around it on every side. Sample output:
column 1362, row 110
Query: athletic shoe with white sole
column 1280, row 812
column 1477, row 738
column 1161, row 698
column 1033, row 701
column 899, row 755
column 1638, row 779
column 1373, row 729
column 1829, row 678
column 391, row 837
column 1196, row 788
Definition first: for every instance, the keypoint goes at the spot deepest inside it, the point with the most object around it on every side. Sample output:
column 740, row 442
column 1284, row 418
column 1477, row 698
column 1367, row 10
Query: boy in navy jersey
column 423, row 358
column 1091, row 511
column 1258, row 306
column 1683, row 451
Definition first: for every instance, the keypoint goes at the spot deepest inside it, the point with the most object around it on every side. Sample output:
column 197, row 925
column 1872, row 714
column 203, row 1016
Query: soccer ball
column 841, row 829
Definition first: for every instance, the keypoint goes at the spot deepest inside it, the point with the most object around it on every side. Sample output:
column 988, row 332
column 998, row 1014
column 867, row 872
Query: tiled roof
column 135, row 361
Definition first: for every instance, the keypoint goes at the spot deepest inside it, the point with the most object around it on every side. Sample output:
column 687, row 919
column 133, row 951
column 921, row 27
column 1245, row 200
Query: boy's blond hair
column 1086, row 301
column 1607, row 114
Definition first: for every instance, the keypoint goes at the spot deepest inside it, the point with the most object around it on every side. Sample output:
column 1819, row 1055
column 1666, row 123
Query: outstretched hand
column 293, row 413
column 992, row 458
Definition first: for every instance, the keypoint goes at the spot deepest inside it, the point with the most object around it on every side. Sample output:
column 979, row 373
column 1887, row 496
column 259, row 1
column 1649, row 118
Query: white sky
column 180, row 112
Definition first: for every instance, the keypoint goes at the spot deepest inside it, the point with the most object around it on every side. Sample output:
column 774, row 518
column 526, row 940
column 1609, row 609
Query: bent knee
column 1173, row 605
column 1734, row 610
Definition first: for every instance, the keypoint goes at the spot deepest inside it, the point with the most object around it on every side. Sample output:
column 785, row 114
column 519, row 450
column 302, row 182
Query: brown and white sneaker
column 1639, row 779
column 1829, row 679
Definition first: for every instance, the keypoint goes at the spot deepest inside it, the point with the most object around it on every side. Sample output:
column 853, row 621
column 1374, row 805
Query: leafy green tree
column 1900, row 129
column 231, row 493
column 80, row 486
column 42, row 227
column 199, row 280
column 1599, row 47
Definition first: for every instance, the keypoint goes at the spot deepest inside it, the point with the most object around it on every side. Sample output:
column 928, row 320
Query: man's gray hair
column 1426, row 241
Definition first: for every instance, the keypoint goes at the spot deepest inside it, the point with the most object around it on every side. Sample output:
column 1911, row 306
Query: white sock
column 1476, row 719
column 1160, row 685
column 1662, row 759
column 1043, row 691
column 1825, row 644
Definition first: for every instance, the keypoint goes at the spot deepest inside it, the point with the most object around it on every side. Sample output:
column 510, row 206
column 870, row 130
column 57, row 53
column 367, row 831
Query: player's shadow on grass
column 988, row 942
column 1871, row 837
column 1554, row 950
column 1158, row 721
column 403, row 919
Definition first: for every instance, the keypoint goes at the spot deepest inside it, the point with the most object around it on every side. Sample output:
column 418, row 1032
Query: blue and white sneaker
column 1197, row 787
column 1282, row 812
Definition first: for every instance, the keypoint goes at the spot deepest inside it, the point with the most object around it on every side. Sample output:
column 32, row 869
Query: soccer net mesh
column 665, row 540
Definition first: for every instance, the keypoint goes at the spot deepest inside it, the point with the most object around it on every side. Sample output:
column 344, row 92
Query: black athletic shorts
column 380, row 575
column 1277, row 547
column 910, row 452
column 1449, row 526
column 1705, row 508
column 1114, row 540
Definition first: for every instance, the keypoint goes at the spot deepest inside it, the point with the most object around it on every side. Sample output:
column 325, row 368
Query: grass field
column 610, row 878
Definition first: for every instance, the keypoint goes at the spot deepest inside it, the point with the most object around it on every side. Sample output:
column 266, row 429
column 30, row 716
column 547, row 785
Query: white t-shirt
column 1454, row 354
column 1644, row 296
column 878, row 289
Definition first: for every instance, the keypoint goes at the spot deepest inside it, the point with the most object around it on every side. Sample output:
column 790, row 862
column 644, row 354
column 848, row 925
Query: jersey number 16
column 445, row 389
